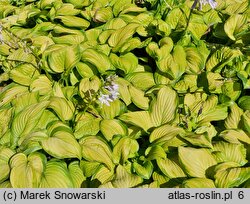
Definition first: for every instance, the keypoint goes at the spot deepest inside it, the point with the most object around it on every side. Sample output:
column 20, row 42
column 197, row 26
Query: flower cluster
column 111, row 91
column 212, row 3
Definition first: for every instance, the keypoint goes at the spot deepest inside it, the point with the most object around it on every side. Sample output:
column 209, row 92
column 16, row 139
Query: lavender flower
column 105, row 99
column 112, row 88
column 212, row 3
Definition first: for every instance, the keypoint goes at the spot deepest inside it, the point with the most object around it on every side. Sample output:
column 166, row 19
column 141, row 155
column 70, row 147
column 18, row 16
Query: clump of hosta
column 179, row 110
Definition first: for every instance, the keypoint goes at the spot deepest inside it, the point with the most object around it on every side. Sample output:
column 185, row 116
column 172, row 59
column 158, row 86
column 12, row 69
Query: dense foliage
column 121, row 93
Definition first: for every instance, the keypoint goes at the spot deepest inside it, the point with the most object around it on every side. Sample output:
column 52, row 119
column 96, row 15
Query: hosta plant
column 120, row 94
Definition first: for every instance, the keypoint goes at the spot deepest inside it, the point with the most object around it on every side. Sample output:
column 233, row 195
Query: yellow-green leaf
column 163, row 109
column 56, row 175
column 196, row 161
column 73, row 21
column 125, row 148
column 170, row 168
column 98, row 59
column 6, row 154
column 112, row 127
column 198, row 183
column 95, row 149
column 62, row 144
column 26, row 172
column 227, row 152
column 138, row 98
column 138, row 118
column 63, row 107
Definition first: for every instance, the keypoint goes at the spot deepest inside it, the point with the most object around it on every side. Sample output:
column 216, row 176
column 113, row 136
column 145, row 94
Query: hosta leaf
column 138, row 118
column 89, row 168
column 26, row 172
column 111, row 128
column 164, row 132
column 176, row 19
column 103, row 174
column 5, row 184
column 24, row 101
column 69, row 39
column 5, row 115
column 221, row 57
column 161, row 179
column 194, row 60
column 63, row 107
column 244, row 102
column 200, row 140
column 73, row 21
column 120, row 36
column 64, row 59
column 163, row 28
column 95, row 149
column 98, row 59
column 31, row 142
column 59, row 29
column 215, row 81
column 114, row 24
column 132, row 8
column 86, row 70
column 235, row 136
column 26, row 120
column 170, row 168
column 120, row 5
column 196, row 161
column 197, row 26
column 124, row 91
column 246, row 121
column 211, row 17
column 179, row 56
column 6, row 154
column 41, row 84
column 66, row 9
column 124, row 149
column 76, row 174
column 87, row 124
column 89, row 86
column 128, row 62
column 56, row 175
column 21, row 55
column 114, row 109
column 138, row 98
column 155, row 152
column 24, row 74
column 231, row 177
column 235, row 7
column 145, row 170
column 234, row 24
column 198, row 183
column 141, row 80
column 10, row 92
column 133, row 43
column 232, row 90
column 124, row 179
column 103, row 14
column 226, row 152
column 163, row 108
column 4, row 50
column 56, row 143
column 233, row 119
column 218, row 113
